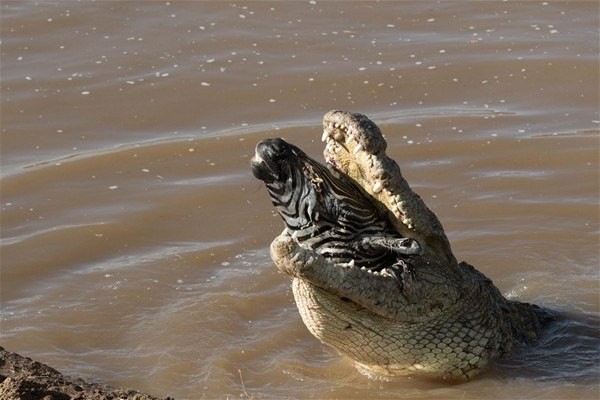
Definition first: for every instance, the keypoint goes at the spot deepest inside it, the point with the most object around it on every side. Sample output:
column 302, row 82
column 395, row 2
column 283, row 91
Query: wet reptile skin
column 447, row 320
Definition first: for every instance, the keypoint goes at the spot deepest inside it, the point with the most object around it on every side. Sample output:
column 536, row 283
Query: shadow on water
column 569, row 350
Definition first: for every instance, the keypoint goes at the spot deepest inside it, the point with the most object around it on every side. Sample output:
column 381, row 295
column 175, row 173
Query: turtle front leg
column 380, row 244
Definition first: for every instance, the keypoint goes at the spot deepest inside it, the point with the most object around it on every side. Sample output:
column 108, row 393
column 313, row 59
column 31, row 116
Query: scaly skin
column 447, row 320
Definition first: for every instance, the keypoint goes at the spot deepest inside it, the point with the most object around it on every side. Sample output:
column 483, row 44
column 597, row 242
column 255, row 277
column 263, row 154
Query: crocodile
column 415, row 310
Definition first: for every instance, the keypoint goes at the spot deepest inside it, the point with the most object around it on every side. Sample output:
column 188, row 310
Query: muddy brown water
column 134, row 246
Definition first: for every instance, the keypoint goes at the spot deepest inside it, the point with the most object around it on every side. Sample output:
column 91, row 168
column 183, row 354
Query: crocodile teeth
column 325, row 136
column 357, row 148
column 363, row 268
column 377, row 187
column 350, row 138
column 351, row 263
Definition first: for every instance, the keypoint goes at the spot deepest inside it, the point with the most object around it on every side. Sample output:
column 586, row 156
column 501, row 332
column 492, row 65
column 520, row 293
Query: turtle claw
column 403, row 275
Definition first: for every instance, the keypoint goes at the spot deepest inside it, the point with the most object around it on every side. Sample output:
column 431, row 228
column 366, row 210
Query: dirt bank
column 25, row 379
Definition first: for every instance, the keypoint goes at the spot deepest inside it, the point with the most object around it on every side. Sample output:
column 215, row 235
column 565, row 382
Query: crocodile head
column 356, row 147
column 415, row 313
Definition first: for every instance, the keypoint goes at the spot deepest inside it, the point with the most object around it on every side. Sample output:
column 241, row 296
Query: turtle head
column 274, row 159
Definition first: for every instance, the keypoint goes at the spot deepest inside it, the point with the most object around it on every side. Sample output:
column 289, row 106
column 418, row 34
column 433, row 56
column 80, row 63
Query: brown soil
column 21, row 378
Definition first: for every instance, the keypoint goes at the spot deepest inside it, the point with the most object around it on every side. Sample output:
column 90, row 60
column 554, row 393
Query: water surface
column 134, row 246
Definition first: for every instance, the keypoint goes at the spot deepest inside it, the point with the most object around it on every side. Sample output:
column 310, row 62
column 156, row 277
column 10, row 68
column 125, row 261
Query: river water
column 134, row 246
